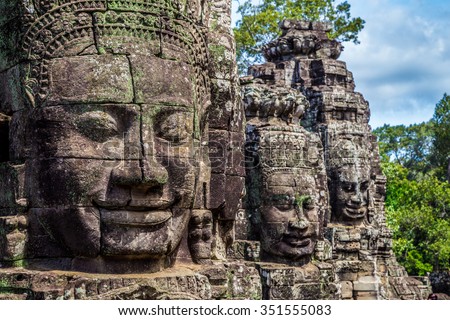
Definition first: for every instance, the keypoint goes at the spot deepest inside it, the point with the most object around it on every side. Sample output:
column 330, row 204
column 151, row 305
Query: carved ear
column 200, row 236
column 12, row 184
column 202, row 191
column 13, row 204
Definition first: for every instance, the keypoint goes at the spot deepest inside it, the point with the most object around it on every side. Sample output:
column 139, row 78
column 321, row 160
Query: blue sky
column 402, row 65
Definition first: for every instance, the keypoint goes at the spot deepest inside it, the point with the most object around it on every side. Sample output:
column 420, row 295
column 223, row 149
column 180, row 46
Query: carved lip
column 297, row 241
column 141, row 218
column 355, row 212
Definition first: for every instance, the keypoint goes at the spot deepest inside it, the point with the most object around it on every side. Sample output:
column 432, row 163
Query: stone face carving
column 200, row 235
column 350, row 193
column 121, row 151
column 111, row 124
column 350, row 172
column 289, row 215
column 286, row 182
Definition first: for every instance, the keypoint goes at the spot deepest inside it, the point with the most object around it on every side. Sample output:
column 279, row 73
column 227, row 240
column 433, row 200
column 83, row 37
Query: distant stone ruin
column 134, row 164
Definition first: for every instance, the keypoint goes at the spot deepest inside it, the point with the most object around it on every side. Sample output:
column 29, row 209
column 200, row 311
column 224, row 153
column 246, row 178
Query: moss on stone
column 300, row 200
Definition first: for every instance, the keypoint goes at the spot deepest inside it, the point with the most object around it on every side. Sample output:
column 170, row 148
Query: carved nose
column 140, row 173
column 356, row 199
column 154, row 173
column 301, row 224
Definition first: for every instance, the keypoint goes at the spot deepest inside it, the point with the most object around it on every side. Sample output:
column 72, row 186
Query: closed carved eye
column 364, row 185
column 97, row 125
column 305, row 201
column 348, row 186
column 175, row 127
column 309, row 204
column 282, row 202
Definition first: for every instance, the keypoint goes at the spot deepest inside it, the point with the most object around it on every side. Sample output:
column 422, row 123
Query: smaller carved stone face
column 350, row 197
column 289, row 216
column 200, row 235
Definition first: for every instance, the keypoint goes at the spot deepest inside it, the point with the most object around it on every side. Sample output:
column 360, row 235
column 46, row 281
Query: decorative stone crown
column 303, row 39
column 188, row 8
column 347, row 145
column 61, row 27
column 265, row 101
column 287, row 148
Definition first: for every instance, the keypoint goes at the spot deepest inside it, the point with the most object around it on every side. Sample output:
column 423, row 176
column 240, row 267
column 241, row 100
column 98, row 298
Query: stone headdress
column 168, row 29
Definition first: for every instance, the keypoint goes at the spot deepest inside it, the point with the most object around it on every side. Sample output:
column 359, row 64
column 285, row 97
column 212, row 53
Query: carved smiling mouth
column 355, row 212
column 141, row 218
column 140, row 215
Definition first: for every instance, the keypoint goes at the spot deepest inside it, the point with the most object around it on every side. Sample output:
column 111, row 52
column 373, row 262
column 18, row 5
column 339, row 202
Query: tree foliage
column 408, row 146
column 441, row 136
column 418, row 211
column 414, row 160
column 259, row 23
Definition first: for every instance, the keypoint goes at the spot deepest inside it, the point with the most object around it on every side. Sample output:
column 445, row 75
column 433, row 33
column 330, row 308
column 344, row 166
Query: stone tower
column 356, row 239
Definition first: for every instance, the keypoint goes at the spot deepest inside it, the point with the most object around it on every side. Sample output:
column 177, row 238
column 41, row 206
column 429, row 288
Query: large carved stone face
column 114, row 122
column 350, row 194
column 115, row 180
column 290, row 215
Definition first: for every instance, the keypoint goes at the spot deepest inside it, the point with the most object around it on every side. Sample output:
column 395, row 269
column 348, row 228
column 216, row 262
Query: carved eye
column 284, row 207
column 364, row 185
column 282, row 202
column 176, row 128
column 348, row 186
column 308, row 204
column 97, row 125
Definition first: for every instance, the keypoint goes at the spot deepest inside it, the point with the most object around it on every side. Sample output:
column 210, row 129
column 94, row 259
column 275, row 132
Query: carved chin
column 290, row 249
column 147, row 235
column 88, row 232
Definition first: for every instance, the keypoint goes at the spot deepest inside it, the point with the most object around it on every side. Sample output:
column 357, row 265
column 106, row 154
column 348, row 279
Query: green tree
column 418, row 212
column 259, row 23
column 414, row 160
column 408, row 146
column 441, row 140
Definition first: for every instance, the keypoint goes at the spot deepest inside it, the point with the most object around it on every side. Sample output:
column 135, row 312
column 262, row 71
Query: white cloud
column 402, row 63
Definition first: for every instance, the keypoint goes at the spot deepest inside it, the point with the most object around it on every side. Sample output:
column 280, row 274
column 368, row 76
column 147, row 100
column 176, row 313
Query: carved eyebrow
column 282, row 196
column 176, row 108
column 101, row 116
